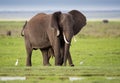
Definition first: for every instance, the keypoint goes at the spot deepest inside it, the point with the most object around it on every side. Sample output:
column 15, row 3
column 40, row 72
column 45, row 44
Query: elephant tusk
column 65, row 39
column 58, row 32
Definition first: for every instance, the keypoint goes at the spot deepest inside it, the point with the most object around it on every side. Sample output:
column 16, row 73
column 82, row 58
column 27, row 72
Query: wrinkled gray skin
column 52, row 34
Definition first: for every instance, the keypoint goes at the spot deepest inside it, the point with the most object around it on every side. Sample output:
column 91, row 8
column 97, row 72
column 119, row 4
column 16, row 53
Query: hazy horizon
column 90, row 15
column 12, row 9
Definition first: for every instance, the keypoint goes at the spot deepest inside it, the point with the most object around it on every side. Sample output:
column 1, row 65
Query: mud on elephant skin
column 52, row 32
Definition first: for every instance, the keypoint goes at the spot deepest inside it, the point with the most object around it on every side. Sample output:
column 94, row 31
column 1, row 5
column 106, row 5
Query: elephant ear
column 55, row 21
column 79, row 19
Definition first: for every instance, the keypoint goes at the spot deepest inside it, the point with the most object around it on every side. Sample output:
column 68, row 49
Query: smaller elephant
column 52, row 34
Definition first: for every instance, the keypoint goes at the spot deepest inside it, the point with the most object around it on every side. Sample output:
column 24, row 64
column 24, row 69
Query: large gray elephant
column 52, row 33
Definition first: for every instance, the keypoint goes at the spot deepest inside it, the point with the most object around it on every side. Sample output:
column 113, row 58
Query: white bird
column 74, row 39
column 81, row 62
column 16, row 63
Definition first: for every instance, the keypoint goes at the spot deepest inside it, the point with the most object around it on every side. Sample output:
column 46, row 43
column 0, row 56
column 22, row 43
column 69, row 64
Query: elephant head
column 67, row 25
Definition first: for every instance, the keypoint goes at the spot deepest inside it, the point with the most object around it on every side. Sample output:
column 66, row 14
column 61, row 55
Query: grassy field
column 96, row 55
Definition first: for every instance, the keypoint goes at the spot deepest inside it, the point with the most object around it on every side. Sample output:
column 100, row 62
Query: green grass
column 98, row 49
column 86, row 50
column 54, row 74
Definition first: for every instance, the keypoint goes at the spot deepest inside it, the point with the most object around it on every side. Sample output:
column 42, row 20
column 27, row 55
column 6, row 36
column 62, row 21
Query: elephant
column 52, row 34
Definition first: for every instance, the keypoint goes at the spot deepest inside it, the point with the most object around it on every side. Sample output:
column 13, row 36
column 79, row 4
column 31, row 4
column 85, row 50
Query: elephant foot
column 28, row 65
column 72, row 65
column 47, row 64
column 58, row 65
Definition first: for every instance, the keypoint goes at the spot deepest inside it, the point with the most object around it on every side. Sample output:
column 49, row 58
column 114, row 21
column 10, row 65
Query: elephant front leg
column 57, row 57
column 57, row 52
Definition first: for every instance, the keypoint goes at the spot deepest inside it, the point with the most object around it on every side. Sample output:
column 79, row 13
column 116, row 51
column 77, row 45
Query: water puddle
column 75, row 78
column 111, row 78
column 12, row 78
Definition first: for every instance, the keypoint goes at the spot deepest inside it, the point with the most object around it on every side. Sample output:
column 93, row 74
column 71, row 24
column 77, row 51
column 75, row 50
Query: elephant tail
column 22, row 32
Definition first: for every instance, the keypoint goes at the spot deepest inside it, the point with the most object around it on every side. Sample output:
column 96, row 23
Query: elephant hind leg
column 29, row 53
column 46, row 57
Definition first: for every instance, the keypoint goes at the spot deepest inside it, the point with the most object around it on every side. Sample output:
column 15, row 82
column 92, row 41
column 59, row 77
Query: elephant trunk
column 67, row 39
column 66, row 51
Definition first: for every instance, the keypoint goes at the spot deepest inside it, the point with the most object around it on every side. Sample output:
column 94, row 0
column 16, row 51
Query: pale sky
column 59, row 4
